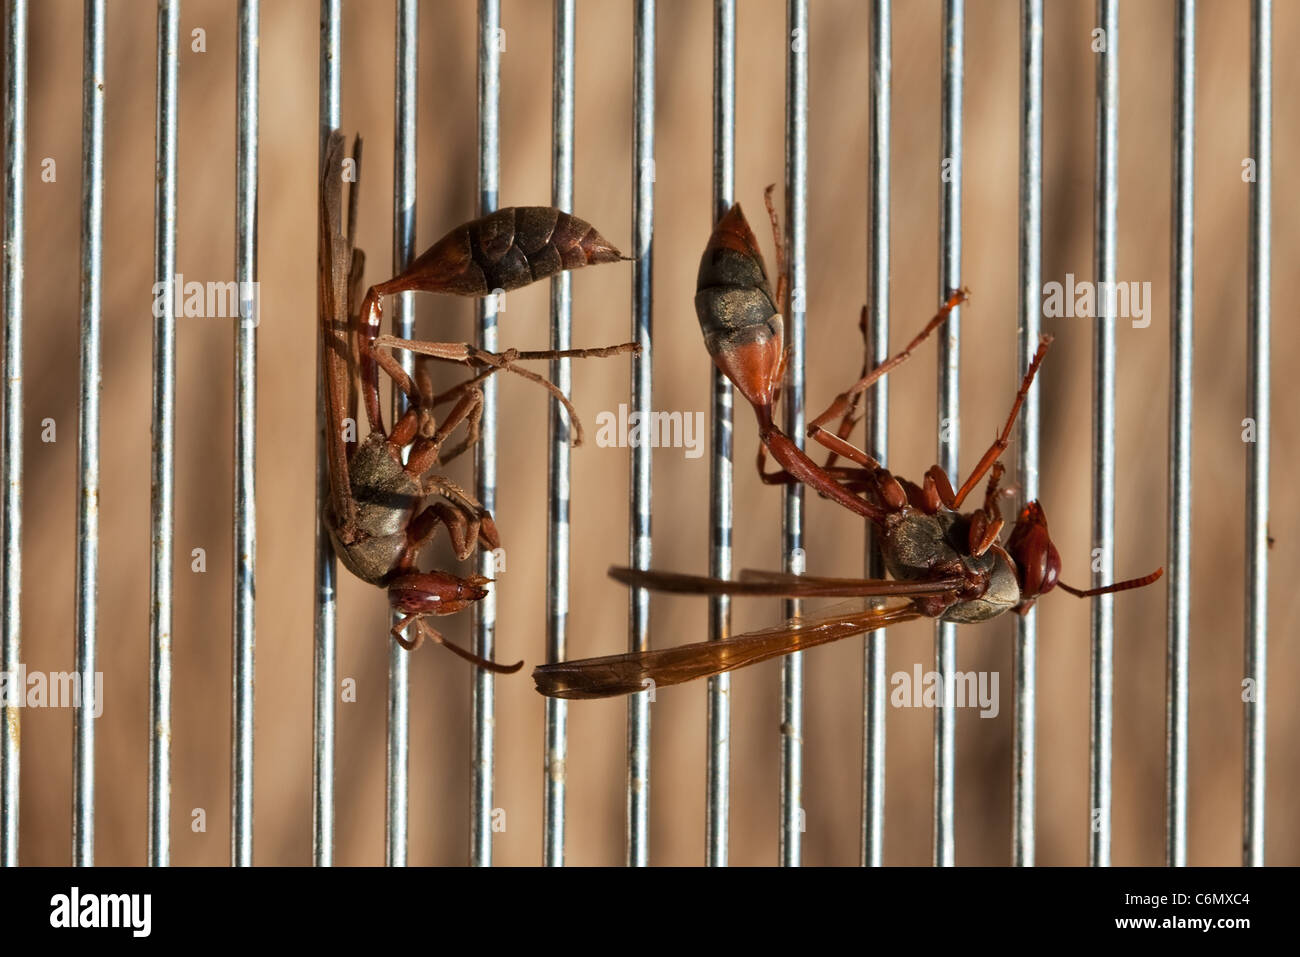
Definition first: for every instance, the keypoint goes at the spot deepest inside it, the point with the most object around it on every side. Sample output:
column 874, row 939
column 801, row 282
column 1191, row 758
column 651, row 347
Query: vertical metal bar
column 1258, row 321
column 1103, row 430
column 15, row 132
column 405, row 82
column 875, row 691
column 325, row 607
column 945, row 652
column 643, row 173
column 796, row 218
column 1180, row 435
column 162, row 529
column 246, row 141
column 92, row 249
column 721, row 467
column 1024, row 760
column 559, row 469
column 485, row 452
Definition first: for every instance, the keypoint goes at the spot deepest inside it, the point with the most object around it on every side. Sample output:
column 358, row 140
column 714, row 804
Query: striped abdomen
column 737, row 312
column 507, row 249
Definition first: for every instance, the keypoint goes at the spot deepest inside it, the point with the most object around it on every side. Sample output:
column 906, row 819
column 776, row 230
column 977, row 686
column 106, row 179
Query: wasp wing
column 636, row 671
column 335, row 262
column 355, row 286
column 779, row 584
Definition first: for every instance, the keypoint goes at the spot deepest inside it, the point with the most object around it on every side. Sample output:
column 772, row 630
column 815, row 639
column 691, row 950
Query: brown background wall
column 837, row 247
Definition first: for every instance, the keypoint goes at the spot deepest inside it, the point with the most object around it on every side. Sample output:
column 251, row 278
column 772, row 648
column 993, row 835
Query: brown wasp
column 946, row 564
column 378, row 512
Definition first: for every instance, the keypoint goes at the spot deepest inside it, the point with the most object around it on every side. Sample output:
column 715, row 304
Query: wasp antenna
column 1117, row 586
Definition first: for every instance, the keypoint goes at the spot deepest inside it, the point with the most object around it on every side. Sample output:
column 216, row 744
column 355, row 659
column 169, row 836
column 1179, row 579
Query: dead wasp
column 946, row 564
column 378, row 512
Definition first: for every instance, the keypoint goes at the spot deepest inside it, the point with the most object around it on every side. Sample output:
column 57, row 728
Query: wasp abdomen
column 509, row 249
column 733, row 298
column 738, row 315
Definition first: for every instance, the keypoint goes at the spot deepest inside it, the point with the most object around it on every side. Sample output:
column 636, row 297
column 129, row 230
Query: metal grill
column 721, row 514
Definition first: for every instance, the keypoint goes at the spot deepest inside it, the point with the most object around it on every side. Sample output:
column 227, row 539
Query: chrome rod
column 406, row 84
column 246, row 143
column 559, row 469
column 1180, row 435
column 643, row 176
column 325, row 606
column 875, row 691
column 483, row 687
column 92, row 272
column 945, row 653
column 717, row 806
column 796, row 223
column 1024, row 756
column 1258, row 321
column 162, row 505
column 1105, row 216
column 15, row 165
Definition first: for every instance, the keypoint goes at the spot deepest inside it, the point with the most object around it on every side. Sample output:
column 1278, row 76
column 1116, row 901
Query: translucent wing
column 334, row 268
column 635, row 671
column 779, row 584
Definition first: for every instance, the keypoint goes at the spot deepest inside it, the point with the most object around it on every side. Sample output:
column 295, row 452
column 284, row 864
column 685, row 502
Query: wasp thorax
column 919, row 547
column 385, row 498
